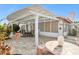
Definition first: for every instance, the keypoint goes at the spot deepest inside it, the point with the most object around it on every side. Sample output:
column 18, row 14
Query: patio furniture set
column 27, row 34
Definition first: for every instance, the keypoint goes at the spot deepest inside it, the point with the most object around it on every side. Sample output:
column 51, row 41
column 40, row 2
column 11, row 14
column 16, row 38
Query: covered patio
column 30, row 16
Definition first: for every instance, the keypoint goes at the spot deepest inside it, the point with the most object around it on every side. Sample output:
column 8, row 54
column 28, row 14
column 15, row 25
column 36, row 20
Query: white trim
column 49, row 34
column 44, row 25
column 50, row 25
column 60, row 27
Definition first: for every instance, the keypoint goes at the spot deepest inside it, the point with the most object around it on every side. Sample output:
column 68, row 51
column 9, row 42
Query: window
column 54, row 26
column 41, row 26
column 47, row 26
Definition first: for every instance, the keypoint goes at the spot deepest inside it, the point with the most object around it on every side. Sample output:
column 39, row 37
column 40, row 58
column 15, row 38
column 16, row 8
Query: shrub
column 3, row 36
column 1, row 28
column 15, row 27
column 74, row 32
column 9, row 30
column 6, row 29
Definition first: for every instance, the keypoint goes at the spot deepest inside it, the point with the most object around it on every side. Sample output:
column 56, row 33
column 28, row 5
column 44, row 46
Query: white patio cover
column 32, row 13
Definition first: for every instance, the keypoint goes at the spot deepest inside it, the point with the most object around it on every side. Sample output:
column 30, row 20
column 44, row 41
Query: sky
column 57, row 9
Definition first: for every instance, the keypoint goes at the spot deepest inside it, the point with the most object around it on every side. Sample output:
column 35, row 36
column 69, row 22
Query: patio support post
column 36, row 30
column 29, row 28
column 60, row 27
column 60, row 31
column 50, row 25
column 25, row 27
column 44, row 25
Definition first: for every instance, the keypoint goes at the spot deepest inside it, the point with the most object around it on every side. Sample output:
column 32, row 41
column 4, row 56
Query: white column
column 44, row 25
column 60, row 31
column 25, row 27
column 19, row 26
column 60, row 27
column 29, row 27
column 36, row 30
column 50, row 25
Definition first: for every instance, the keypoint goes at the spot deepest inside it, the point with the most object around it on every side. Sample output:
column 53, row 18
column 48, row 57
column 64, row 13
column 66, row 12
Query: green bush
column 72, row 32
column 15, row 27
column 9, row 30
column 6, row 29
column 1, row 28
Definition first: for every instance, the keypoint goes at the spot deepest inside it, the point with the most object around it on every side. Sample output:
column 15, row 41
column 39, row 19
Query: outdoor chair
column 29, row 34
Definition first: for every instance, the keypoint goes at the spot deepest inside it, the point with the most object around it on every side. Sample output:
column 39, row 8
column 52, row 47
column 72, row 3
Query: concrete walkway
column 26, row 45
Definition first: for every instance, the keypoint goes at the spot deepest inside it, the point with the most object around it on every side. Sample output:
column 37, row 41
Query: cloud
column 4, row 21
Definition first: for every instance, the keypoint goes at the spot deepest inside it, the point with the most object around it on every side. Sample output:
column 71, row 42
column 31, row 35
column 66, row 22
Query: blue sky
column 57, row 9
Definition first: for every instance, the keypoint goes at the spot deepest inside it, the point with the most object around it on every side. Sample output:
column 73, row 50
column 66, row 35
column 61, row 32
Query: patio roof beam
column 44, row 25
column 50, row 25
column 50, row 17
column 25, row 20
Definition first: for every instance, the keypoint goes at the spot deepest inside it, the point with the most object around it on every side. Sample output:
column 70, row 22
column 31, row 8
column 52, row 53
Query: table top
column 67, row 49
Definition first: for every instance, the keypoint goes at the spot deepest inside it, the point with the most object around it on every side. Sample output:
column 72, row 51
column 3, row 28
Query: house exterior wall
column 49, row 34
column 44, row 28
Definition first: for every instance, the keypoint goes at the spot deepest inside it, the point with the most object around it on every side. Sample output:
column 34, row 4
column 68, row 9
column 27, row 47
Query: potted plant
column 15, row 28
column 16, row 31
